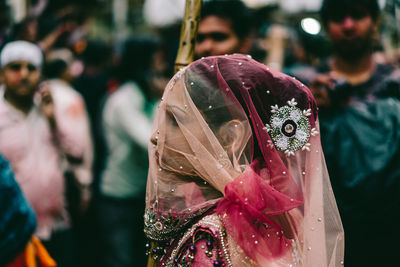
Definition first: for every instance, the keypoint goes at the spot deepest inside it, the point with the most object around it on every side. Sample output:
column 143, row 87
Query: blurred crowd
column 77, row 108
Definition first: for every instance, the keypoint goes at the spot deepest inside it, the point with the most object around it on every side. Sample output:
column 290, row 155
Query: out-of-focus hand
column 47, row 104
column 85, row 198
column 320, row 87
column 278, row 31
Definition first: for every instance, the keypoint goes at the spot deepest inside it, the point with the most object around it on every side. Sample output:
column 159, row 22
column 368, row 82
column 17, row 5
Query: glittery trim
column 164, row 228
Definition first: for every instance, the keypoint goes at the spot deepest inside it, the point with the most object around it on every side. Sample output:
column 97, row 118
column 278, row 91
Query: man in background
column 359, row 101
column 35, row 141
column 224, row 28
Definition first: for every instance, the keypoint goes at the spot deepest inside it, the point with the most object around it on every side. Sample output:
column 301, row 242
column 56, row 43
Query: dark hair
column 19, row 30
column 54, row 68
column 331, row 9
column 136, row 56
column 233, row 10
column 136, row 62
column 96, row 53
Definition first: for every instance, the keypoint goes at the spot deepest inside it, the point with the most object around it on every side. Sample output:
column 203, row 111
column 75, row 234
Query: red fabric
column 267, row 188
column 18, row 262
column 248, row 203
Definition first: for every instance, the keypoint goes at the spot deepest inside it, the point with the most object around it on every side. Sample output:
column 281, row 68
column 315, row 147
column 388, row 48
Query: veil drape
column 238, row 141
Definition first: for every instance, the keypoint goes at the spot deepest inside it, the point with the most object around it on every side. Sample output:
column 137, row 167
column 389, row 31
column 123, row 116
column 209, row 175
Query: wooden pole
column 189, row 27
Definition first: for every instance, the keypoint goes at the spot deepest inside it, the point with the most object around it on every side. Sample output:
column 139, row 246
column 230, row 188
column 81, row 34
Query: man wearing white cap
column 36, row 144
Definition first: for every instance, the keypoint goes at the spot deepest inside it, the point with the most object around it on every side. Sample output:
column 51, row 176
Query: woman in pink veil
column 237, row 174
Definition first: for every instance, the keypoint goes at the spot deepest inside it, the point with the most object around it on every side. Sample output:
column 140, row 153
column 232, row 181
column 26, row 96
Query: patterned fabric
column 17, row 220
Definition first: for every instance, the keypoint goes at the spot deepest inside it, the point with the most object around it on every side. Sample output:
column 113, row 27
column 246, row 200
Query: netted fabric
column 237, row 139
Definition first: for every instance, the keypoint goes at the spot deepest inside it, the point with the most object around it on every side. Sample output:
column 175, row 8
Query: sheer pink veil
column 235, row 138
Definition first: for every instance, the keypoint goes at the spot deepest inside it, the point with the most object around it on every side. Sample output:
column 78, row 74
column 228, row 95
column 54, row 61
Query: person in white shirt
column 127, row 122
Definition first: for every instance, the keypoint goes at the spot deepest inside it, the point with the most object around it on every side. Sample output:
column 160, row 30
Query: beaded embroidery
column 289, row 128
column 160, row 229
column 165, row 228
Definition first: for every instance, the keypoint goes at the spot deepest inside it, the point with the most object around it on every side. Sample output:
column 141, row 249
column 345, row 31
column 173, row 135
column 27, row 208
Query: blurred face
column 170, row 141
column 31, row 31
column 216, row 37
column 351, row 32
column 21, row 79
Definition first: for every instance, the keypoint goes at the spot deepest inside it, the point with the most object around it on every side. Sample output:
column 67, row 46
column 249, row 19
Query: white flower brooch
column 289, row 128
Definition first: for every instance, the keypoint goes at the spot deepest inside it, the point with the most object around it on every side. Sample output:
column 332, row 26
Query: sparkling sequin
column 158, row 226
column 289, row 128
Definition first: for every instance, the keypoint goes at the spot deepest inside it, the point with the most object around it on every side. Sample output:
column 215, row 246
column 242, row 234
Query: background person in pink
column 36, row 142
column 237, row 175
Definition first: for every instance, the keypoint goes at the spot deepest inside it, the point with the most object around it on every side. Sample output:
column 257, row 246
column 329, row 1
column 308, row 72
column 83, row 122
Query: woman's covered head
column 234, row 105
column 233, row 136
column 217, row 76
column 230, row 84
